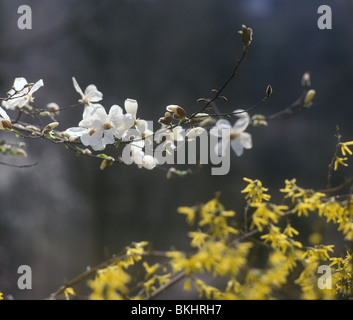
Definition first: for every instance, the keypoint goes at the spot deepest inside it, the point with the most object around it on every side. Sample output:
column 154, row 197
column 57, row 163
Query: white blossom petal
column 92, row 94
column 141, row 125
column 4, row 115
column 220, row 125
column 242, row 123
column 245, row 140
column 116, row 112
column 237, row 147
column 223, row 124
column 129, row 119
column 222, row 146
column 76, row 132
column 131, row 107
column 94, row 140
column 19, row 84
column 108, row 137
column 36, row 86
column 77, row 87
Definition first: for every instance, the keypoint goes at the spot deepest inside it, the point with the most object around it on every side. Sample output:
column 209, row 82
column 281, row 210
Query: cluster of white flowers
column 20, row 96
column 98, row 128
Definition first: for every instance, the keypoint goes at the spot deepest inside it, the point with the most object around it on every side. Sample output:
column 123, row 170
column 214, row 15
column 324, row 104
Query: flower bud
column 44, row 114
column 33, row 128
column 107, row 162
column 166, row 120
column 53, row 107
column 49, row 127
column 21, row 152
column 199, row 118
column 131, row 106
column 306, row 82
column 309, row 97
column 178, row 112
column 5, row 125
column 87, row 152
column 258, row 120
column 269, row 90
column 246, row 35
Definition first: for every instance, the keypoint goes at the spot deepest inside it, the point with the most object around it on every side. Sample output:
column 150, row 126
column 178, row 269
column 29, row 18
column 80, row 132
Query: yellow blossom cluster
column 227, row 260
column 343, row 274
column 255, row 191
column 343, row 146
column 336, row 209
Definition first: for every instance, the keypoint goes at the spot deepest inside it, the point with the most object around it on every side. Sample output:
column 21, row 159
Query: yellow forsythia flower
column 68, row 291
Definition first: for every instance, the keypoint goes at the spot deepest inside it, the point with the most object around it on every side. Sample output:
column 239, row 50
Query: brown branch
column 19, row 166
column 289, row 111
column 219, row 91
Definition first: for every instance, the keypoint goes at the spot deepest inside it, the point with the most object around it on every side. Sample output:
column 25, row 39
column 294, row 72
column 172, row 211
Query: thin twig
column 219, row 91
column 331, row 165
column 167, row 285
column 289, row 111
column 19, row 166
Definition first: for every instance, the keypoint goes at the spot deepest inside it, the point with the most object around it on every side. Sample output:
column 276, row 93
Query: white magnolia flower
column 130, row 118
column 91, row 94
column 21, row 94
column 97, row 128
column 5, row 122
column 237, row 138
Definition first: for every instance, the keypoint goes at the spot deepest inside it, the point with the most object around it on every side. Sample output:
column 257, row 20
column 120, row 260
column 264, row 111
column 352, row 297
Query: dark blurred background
column 65, row 214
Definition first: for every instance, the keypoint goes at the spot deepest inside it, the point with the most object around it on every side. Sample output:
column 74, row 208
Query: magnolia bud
column 49, row 127
column 107, row 162
column 33, row 128
column 246, row 35
column 199, row 118
column 258, row 120
column 306, row 82
column 20, row 152
column 87, row 152
column 44, row 114
column 178, row 112
column 309, row 97
column 166, row 120
column 5, row 124
column 53, row 108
